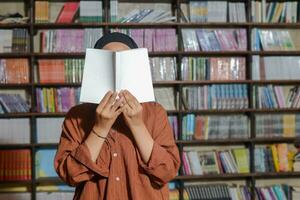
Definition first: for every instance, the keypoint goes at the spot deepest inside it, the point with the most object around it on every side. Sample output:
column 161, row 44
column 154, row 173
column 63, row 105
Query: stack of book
column 56, row 99
column 216, row 192
column 42, row 167
column 13, row 103
column 166, row 97
column 276, row 192
column 14, row 40
column 163, row 68
column 173, row 120
column 90, row 11
column 214, row 68
column 214, row 39
column 277, row 125
column 214, row 127
column 154, row 40
column 69, row 40
column 217, row 11
column 15, row 165
column 60, row 71
column 274, row 158
column 197, row 162
column 282, row 11
column 48, row 129
column 274, row 39
column 148, row 16
column 273, row 68
column 42, row 11
column 14, row 70
column 221, row 96
column 15, row 131
column 276, row 96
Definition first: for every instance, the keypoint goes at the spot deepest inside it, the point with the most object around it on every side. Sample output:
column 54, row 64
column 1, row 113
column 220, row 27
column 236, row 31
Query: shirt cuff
column 157, row 155
column 82, row 154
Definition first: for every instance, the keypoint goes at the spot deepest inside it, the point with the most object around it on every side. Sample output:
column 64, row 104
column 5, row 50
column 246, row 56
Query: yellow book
column 289, row 126
column 275, row 157
column 282, row 150
column 242, row 159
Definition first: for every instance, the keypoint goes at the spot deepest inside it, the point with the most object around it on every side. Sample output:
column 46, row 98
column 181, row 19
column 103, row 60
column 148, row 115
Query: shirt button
column 117, row 178
column 115, row 154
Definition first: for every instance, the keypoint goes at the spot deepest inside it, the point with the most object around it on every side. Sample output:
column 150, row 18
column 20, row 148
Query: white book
column 106, row 70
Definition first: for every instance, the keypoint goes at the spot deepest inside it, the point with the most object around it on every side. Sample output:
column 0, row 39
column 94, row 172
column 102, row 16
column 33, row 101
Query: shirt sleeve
column 164, row 160
column 73, row 161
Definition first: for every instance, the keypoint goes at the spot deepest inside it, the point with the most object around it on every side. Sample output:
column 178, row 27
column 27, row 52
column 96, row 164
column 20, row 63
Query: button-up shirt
column 119, row 172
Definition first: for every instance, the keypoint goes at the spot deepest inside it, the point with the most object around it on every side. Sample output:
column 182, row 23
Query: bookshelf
column 33, row 56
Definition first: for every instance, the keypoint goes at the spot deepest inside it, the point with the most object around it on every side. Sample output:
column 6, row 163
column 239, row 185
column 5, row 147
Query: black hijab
column 115, row 37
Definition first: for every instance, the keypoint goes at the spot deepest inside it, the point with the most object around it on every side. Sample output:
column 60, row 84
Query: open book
column 106, row 70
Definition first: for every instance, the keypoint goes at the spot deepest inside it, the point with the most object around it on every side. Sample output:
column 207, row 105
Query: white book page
column 133, row 74
column 98, row 75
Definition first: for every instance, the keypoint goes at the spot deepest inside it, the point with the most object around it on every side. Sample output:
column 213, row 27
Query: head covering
column 115, row 37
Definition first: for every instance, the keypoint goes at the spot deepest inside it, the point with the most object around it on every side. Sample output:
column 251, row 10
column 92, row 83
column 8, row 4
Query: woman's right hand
column 107, row 112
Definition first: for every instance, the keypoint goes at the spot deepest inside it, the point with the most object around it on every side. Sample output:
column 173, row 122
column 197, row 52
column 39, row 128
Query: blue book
column 44, row 163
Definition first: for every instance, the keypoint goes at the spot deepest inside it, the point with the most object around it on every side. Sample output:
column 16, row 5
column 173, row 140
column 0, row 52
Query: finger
column 133, row 98
column 117, row 104
column 111, row 100
column 120, row 110
column 104, row 100
column 129, row 100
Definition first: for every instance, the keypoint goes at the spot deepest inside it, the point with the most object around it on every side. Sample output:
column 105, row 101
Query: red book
column 67, row 13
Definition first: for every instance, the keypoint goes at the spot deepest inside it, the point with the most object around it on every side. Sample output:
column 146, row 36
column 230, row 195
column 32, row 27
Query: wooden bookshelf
column 33, row 57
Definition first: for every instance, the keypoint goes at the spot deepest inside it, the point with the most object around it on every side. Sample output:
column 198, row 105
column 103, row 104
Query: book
column 13, row 103
column 90, row 11
column 115, row 71
column 48, row 129
column 14, row 40
column 167, row 97
column 15, row 165
column 67, row 12
column 42, row 14
column 42, row 167
column 163, row 68
column 14, row 70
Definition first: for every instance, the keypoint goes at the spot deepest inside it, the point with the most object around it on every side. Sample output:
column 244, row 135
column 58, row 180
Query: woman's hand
column 107, row 112
column 132, row 109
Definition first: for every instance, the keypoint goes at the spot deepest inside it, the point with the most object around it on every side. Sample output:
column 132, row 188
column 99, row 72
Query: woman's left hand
column 133, row 111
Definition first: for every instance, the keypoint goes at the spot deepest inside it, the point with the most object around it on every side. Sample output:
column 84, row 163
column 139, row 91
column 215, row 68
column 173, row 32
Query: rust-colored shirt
column 119, row 172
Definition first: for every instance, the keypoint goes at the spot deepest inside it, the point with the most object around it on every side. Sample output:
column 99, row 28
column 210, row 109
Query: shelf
column 57, row 84
column 276, row 53
column 32, row 114
column 49, row 180
column 15, row 182
column 213, row 177
column 214, row 111
column 15, row 25
column 274, row 175
column 213, row 142
column 279, row 82
column 214, row 53
column 15, row 85
column 15, row 55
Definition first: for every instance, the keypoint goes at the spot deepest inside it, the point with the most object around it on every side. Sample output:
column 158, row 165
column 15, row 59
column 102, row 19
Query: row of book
column 14, row 70
column 213, row 68
column 199, row 162
column 275, row 39
column 14, row 40
column 163, row 68
column 15, row 165
column 69, row 40
column 276, row 12
column 277, row 125
column 221, row 96
column 217, row 11
column 154, row 40
column 274, row 158
column 277, row 96
column 89, row 11
column 56, row 99
column 214, row 39
column 60, row 70
column 13, row 103
column 296, row 165
column 214, row 127
column 147, row 16
column 173, row 120
column 15, row 131
column 275, row 68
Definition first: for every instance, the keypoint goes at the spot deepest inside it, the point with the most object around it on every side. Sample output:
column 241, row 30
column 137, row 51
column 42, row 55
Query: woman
column 118, row 149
